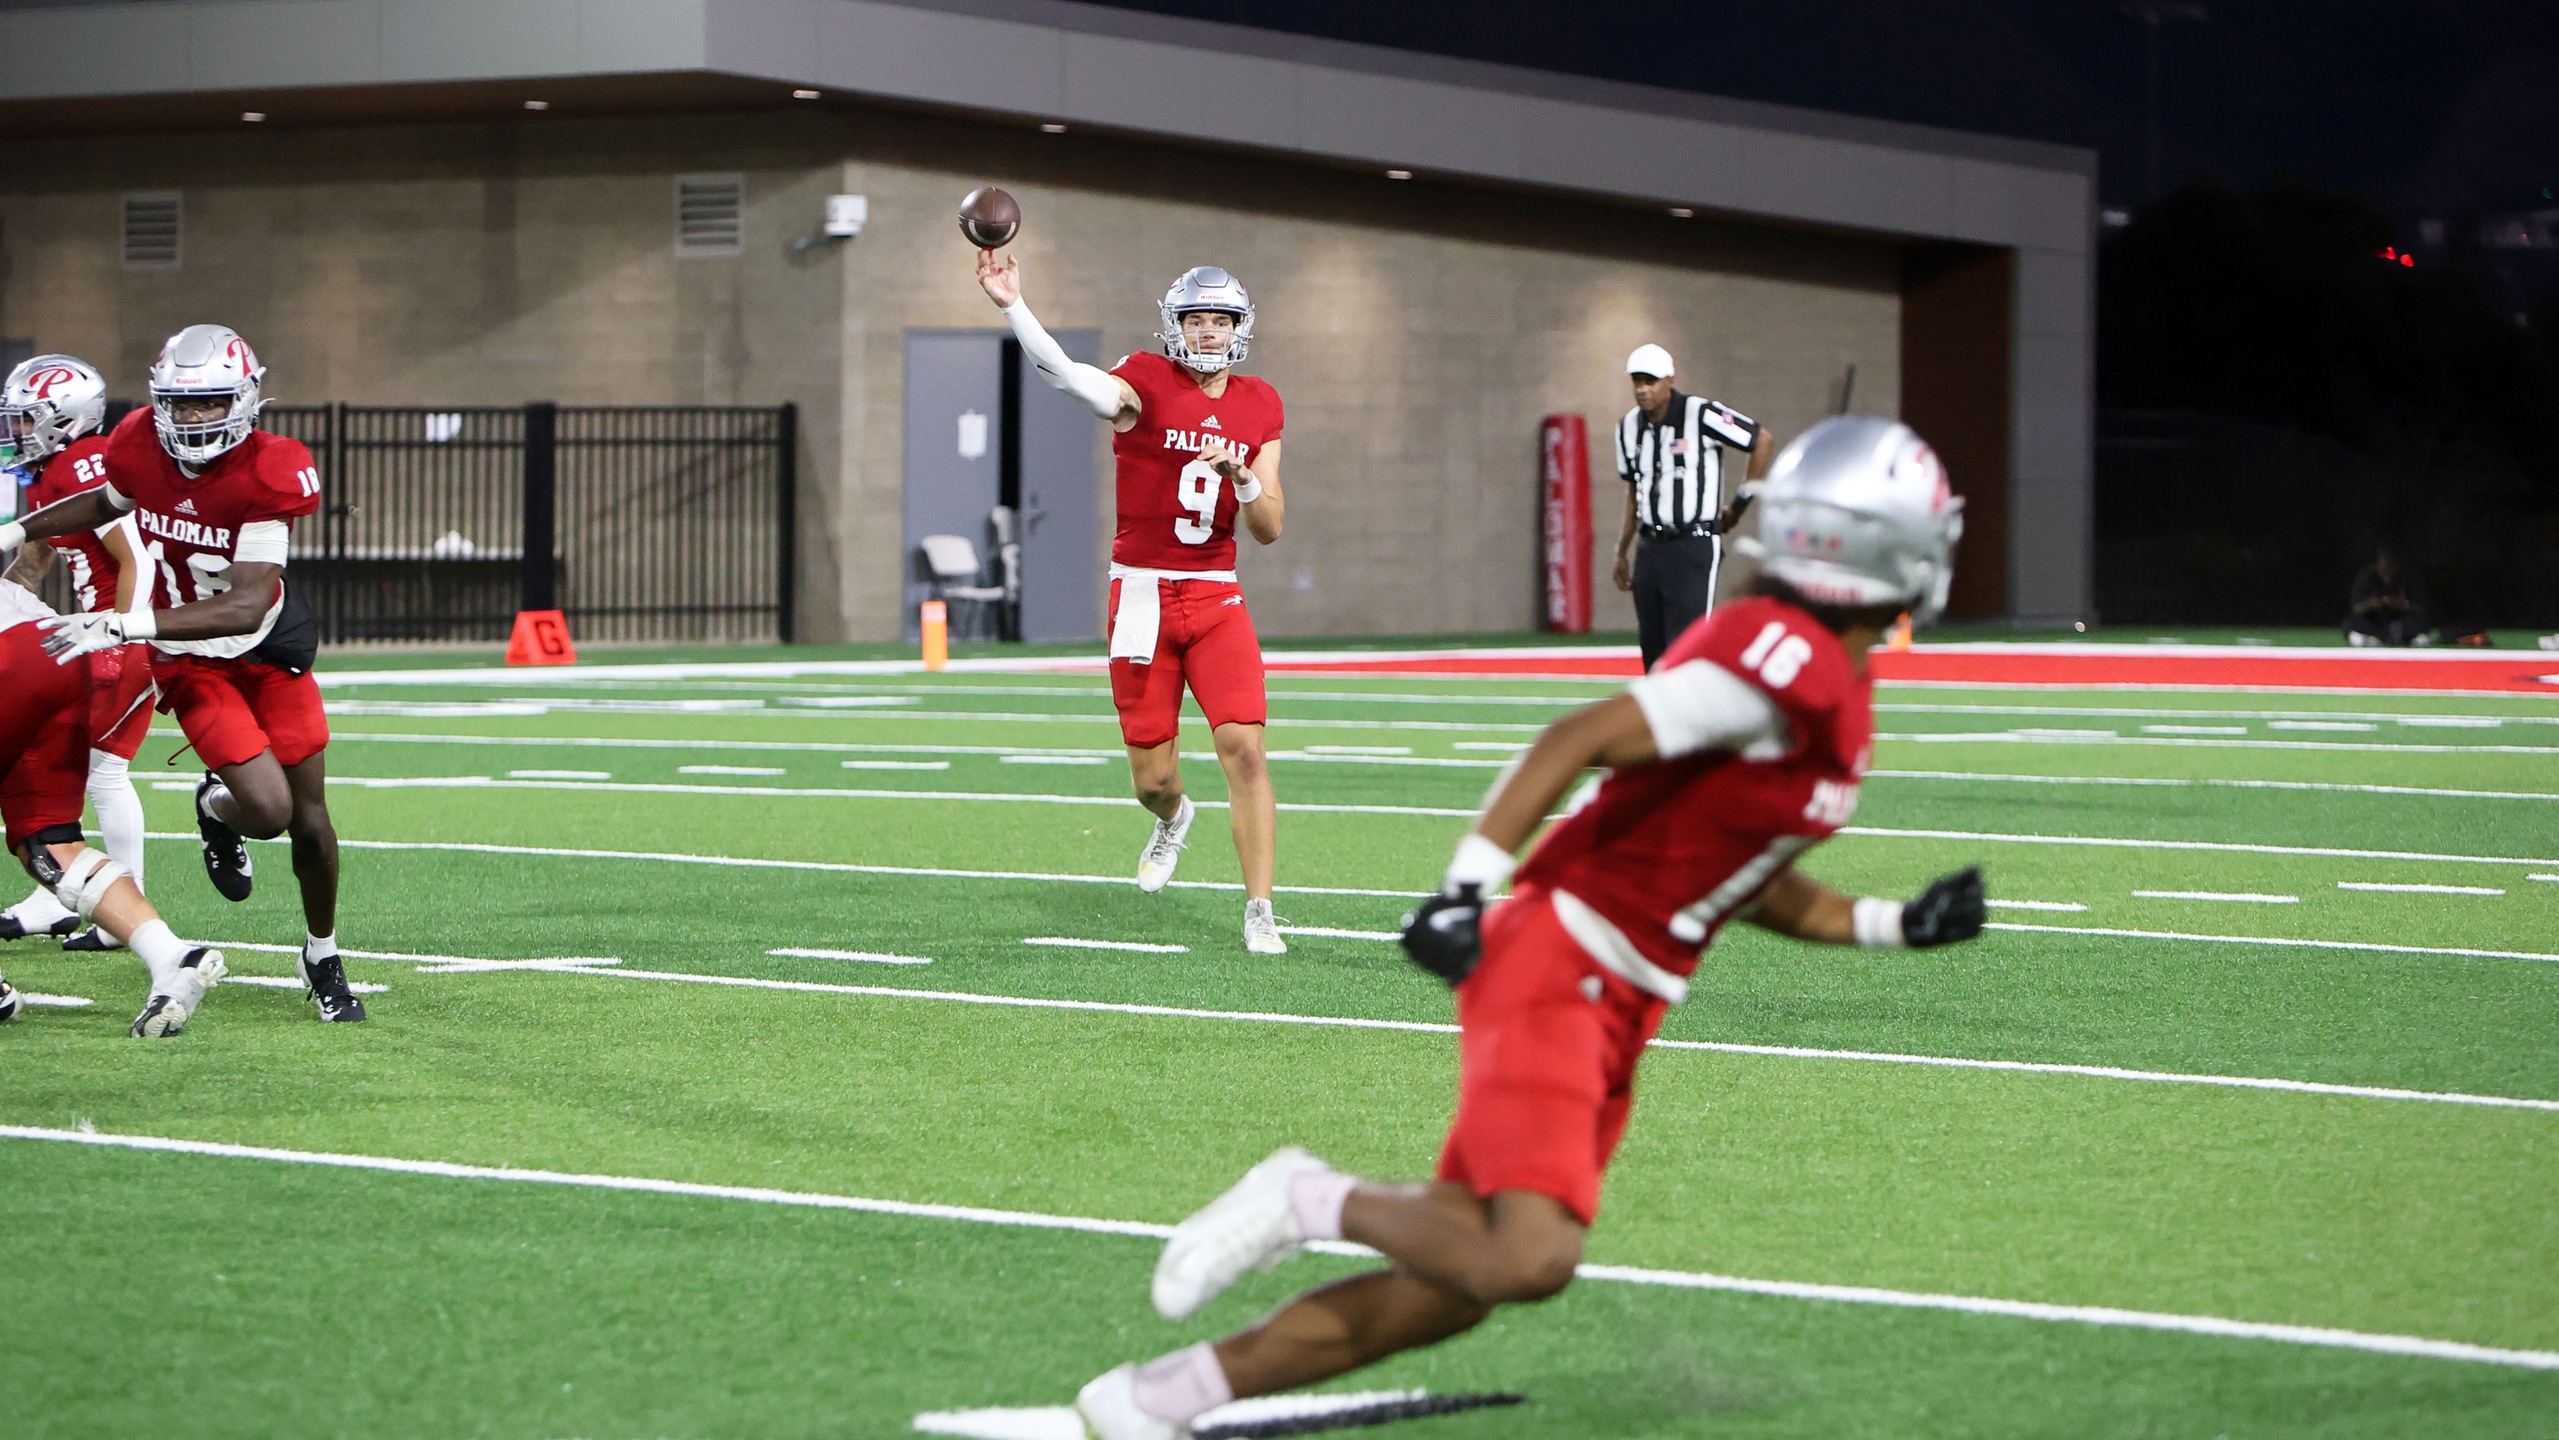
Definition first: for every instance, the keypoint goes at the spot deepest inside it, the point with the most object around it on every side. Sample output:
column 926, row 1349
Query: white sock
column 161, row 950
column 1182, row 1386
column 39, row 911
column 319, row 947
column 120, row 826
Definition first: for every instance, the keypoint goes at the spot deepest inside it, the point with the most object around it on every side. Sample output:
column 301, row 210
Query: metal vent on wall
column 710, row 216
column 154, row 230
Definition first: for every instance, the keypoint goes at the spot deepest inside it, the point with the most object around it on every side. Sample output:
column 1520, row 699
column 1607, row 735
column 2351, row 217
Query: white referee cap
column 1650, row 360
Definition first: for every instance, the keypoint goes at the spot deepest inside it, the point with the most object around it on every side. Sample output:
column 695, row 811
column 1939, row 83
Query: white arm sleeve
column 263, row 542
column 1703, row 706
column 115, row 497
column 1095, row 386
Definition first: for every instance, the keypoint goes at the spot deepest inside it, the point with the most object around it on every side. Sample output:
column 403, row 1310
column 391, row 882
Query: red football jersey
column 80, row 465
column 193, row 527
column 1176, row 512
column 1668, row 851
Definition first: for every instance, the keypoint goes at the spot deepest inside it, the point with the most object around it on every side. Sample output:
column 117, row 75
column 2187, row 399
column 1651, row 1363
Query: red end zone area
column 2131, row 667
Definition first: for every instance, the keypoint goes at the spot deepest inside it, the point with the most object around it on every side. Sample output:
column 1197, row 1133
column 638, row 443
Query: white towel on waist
column 1140, row 618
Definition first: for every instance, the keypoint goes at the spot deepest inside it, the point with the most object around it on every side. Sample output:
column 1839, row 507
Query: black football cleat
column 327, row 982
column 12, row 929
column 93, row 938
column 226, row 856
column 8, row 1002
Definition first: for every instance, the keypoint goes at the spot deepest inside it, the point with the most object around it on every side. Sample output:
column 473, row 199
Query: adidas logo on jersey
column 1211, row 424
column 186, row 507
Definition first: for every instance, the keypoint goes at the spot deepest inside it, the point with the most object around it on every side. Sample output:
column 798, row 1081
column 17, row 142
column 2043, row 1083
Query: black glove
column 1446, row 936
column 1947, row 911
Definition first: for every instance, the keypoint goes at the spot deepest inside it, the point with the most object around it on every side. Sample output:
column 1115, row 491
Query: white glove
column 12, row 535
column 68, row 637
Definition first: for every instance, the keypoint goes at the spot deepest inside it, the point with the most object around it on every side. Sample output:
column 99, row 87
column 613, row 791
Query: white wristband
column 1479, row 862
column 140, row 623
column 1248, row 487
column 1878, row 924
column 12, row 535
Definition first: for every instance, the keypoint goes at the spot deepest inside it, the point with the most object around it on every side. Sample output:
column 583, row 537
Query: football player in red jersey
column 44, row 735
column 1198, row 450
column 1741, row 751
column 215, row 500
column 53, row 412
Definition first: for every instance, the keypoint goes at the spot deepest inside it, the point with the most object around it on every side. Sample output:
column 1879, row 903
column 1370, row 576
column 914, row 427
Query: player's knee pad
column 108, row 768
column 40, row 861
column 86, row 881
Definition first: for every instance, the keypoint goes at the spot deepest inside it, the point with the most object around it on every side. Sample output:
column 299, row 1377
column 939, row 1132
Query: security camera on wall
column 846, row 215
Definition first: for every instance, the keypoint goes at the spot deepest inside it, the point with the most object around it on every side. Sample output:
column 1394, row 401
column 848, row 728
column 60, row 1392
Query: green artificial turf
column 197, row 1295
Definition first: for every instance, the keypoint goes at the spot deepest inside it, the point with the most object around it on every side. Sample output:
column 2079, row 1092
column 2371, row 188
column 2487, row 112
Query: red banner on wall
column 1564, row 458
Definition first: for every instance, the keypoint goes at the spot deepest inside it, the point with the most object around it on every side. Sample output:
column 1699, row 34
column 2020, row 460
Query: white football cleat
column 167, row 1012
column 1253, row 1224
column 1109, row 1408
column 1164, row 849
column 1261, row 929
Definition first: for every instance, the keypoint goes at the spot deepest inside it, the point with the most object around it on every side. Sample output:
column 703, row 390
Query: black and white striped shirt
column 1677, row 466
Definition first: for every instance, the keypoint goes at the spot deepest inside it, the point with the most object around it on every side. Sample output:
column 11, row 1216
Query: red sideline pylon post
column 541, row 638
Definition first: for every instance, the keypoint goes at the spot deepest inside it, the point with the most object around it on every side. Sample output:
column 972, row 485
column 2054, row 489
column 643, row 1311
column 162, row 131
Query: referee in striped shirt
column 1670, row 453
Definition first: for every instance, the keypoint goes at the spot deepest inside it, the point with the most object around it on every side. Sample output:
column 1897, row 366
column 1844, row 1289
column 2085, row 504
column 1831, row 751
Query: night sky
column 2423, row 107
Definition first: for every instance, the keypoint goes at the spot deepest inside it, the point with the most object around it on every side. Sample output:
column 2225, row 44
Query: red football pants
column 1206, row 640
column 1547, row 1047
column 44, row 736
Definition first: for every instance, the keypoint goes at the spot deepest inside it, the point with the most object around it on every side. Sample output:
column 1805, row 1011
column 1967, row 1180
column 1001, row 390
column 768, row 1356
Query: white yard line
column 730, row 770
column 2059, row 905
column 2240, row 898
column 54, row 1002
column 840, row 792
column 2320, row 1336
column 1063, row 942
column 559, row 774
column 2105, row 842
column 284, row 982
column 2050, row 737
column 895, row 765
column 1915, row 707
column 2312, row 785
column 1328, row 933
column 2281, row 942
column 2417, row 889
column 1426, row 1027
column 872, row 956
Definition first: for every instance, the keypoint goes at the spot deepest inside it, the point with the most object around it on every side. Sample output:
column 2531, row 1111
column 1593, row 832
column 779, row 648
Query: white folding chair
column 950, row 563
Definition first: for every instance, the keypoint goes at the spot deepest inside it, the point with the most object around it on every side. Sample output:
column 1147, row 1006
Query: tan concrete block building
column 401, row 230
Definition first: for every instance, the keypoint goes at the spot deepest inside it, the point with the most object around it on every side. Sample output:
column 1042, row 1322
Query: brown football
column 990, row 218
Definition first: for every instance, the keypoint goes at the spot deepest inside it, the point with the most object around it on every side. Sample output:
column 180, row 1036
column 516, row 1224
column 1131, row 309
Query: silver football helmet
column 1205, row 287
column 204, row 361
column 1856, row 512
column 47, row 403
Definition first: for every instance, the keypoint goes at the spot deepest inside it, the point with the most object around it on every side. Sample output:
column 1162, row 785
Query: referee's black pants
column 1674, row 588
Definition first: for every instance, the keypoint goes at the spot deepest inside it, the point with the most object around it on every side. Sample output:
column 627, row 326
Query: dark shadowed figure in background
column 2389, row 605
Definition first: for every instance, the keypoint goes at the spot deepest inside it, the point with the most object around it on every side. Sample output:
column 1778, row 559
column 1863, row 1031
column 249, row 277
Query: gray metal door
column 1061, row 505
column 954, row 405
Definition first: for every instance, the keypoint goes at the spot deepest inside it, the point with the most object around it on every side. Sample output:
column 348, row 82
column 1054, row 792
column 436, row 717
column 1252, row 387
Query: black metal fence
column 670, row 523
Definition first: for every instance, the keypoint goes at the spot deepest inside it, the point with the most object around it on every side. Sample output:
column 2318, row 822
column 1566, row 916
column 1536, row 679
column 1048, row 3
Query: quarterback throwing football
column 1738, row 753
column 214, row 499
column 1198, row 450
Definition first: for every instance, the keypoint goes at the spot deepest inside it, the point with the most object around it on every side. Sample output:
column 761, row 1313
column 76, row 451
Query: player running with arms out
column 1198, row 451
column 215, row 500
column 53, row 415
column 1741, row 751
column 44, row 752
